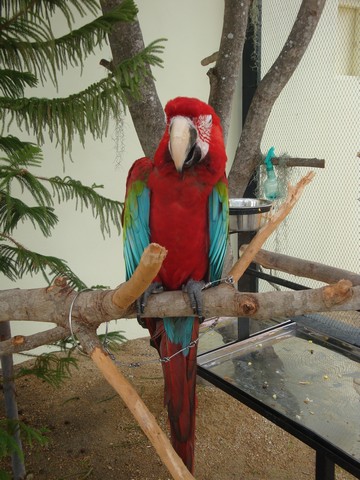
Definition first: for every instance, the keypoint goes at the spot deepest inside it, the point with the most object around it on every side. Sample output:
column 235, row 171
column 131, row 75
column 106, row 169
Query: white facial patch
column 203, row 126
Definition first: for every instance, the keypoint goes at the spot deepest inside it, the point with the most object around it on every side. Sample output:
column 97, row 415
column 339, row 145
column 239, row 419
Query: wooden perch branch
column 225, row 301
column 137, row 407
column 53, row 304
column 263, row 234
column 149, row 266
column 221, row 301
column 302, row 268
column 299, row 162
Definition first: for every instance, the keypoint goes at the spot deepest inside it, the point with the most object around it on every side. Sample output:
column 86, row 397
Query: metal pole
column 250, row 81
column 11, row 410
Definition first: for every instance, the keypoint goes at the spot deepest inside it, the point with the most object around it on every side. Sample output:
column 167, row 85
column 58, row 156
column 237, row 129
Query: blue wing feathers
column 218, row 229
column 136, row 215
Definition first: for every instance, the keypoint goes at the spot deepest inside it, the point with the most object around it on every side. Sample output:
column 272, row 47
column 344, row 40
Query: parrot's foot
column 141, row 302
column 194, row 288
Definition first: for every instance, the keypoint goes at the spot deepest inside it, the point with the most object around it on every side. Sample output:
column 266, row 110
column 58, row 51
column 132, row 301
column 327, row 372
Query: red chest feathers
column 179, row 222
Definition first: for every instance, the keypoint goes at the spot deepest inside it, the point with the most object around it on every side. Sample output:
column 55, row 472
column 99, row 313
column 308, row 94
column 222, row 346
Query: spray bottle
column 271, row 188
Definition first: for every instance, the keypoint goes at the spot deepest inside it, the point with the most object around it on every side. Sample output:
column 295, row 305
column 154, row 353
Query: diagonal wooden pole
column 126, row 294
column 144, row 417
column 263, row 234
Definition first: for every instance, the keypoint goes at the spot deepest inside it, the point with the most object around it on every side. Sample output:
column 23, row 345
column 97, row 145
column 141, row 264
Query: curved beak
column 182, row 140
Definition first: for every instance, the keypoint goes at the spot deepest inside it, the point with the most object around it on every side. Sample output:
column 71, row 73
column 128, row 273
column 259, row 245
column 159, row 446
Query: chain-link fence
column 318, row 116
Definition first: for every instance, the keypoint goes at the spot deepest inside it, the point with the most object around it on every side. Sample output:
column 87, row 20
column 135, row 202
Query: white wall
column 192, row 35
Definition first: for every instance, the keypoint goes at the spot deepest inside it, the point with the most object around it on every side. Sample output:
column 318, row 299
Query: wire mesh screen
column 318, row 116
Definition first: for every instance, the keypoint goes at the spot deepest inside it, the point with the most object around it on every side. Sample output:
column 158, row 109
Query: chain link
column 106, row 342
column 191, row 344
column 229, row 280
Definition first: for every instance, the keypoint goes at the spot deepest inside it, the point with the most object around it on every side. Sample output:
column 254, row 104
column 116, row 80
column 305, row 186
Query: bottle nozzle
column 271, row 188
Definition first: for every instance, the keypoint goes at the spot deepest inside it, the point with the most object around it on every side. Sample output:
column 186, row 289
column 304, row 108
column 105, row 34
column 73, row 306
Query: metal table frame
column 327, row 455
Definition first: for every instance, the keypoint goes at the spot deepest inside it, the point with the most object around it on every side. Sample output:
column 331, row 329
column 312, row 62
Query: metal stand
column 325, row 468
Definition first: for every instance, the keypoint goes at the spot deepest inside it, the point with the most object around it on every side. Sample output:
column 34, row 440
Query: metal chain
column 191, row 344
column 106, row 342
column 229, row 280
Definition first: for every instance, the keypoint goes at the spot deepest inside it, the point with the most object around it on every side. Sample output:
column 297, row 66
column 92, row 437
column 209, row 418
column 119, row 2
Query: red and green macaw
column 180, row 201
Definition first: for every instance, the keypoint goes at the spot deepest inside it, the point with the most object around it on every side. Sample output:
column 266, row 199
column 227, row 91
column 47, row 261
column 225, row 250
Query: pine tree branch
column 17, row 260
column 13, row 210
column 107, row 210
column 35, row 49
column 86, row 111
column 20, row 153
column 12, row 83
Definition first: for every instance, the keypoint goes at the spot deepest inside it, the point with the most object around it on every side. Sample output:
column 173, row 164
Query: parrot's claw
column 141, row 302
column 194, row 288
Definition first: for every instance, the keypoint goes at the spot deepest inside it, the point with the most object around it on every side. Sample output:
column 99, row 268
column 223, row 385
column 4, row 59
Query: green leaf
column 17, row 261
column 108, row 211
column 51, row 367
column 14, row 210
column 12, row 83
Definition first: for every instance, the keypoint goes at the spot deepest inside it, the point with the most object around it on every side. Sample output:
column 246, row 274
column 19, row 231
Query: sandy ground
column 92, row 435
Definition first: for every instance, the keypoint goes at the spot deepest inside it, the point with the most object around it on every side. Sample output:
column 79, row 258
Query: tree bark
column 248, row 151
column 95, row 307
column 147, row 113
column 224, row 75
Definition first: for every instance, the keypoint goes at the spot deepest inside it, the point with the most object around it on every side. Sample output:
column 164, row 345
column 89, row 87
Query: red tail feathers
column 180, row 395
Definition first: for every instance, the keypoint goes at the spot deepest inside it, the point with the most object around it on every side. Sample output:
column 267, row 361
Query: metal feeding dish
column 251, row 213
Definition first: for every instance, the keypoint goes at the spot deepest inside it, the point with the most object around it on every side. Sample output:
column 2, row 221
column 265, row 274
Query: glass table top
column 311, row 379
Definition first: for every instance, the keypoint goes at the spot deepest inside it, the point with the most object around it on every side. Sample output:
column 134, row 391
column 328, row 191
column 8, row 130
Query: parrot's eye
column 206, row 120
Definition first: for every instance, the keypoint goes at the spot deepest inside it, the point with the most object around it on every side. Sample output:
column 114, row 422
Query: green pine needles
column 31, row 54
column 8, row 444
column 15, row 259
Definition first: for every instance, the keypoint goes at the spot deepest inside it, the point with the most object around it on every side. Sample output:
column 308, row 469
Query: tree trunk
column 224, row 76
column 146, row 111
column 248, row 152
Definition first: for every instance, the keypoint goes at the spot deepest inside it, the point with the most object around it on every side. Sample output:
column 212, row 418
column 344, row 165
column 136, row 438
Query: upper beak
column 182, row 139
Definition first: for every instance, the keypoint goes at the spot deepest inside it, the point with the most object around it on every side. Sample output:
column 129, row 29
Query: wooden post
column 127, row 293
column 144, row 417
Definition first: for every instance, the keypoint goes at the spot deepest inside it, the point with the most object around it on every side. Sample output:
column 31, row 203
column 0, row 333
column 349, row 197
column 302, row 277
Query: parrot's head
column 192, row 130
